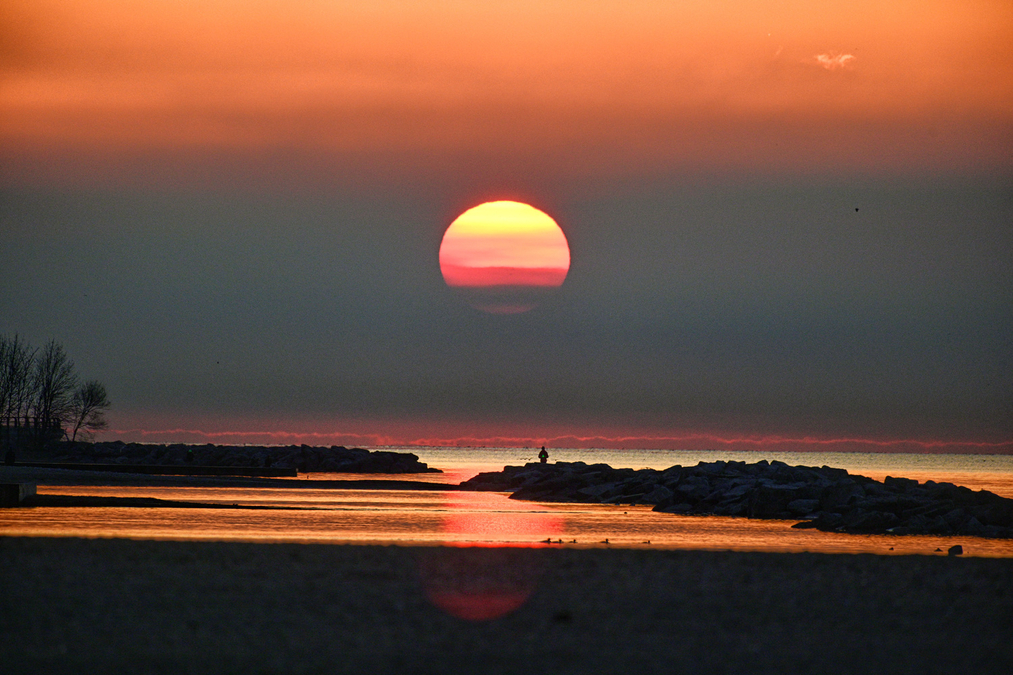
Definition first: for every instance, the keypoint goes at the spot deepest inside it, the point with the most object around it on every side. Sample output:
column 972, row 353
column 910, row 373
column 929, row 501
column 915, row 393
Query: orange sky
column 567, row 86
column 618, row 116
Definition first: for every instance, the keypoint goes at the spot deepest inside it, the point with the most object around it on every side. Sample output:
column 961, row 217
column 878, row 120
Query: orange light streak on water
column 413, row 517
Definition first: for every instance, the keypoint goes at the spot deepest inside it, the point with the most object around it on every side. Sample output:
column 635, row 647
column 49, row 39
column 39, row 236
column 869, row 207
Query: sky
column 789, row 223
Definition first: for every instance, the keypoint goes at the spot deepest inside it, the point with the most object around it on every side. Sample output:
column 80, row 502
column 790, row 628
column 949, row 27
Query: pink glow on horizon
column 676, row 441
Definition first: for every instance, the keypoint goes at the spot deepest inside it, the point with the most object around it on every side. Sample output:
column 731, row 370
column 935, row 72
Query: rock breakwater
column 304, row 458
column 825, row 498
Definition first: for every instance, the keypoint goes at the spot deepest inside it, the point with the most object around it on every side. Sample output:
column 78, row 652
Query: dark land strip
column 167, row 470
column 142, row 502
column 65, row 477
column 301, row 458
column 824, row 498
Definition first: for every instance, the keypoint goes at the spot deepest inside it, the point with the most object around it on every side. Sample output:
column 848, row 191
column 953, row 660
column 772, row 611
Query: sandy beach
column 118, row 606
column 71, row 605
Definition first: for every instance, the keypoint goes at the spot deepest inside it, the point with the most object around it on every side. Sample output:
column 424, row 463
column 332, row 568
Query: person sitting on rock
column 543, row 456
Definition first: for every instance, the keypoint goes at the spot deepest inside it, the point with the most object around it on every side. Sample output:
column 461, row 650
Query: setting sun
column 503, row 254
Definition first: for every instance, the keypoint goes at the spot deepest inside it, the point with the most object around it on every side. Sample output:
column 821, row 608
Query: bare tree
column 5, row 380
column 40, row 396
column 54, row 383
column 88, row 407
column 16, row 381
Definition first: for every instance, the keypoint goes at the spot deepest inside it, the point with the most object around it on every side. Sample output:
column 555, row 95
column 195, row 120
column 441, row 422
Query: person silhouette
column 543, row 456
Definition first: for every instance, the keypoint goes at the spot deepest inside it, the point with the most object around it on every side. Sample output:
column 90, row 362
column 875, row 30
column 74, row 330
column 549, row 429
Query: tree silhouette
column 88, row 407
column 16, row 392
column 54, row 383
column 40, row 394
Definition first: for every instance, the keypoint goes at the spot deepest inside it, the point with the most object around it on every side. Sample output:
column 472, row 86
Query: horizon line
column 619, row 442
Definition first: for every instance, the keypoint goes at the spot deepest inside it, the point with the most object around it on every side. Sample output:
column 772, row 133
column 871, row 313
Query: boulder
column 803, row 507
column 658, row 495
column 860, row 520
column 675, row 508
column 843, row 492
column 693, row 489
column 597, row 491
column 771, row 501
column 830, row 499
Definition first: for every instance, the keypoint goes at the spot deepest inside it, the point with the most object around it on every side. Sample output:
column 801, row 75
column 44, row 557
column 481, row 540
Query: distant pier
column 178, row 470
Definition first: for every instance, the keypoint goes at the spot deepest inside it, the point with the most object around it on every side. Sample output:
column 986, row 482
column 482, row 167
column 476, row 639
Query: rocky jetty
column 305, row 458
column 824, row 498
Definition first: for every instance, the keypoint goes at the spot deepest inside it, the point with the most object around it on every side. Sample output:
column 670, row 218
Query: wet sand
column 122, row 606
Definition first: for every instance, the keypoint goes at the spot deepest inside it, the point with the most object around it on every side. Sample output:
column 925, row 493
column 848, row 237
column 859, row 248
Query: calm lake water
column 978, row 472
column 409, row 517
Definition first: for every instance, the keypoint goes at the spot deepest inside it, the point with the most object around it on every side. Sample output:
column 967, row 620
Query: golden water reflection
column 409, row 517
column 492, row 579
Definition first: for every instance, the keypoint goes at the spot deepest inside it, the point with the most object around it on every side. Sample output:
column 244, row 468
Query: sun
column 503, row 257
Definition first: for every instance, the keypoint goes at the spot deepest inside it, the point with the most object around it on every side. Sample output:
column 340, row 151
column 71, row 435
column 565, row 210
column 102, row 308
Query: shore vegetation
column 42, row 398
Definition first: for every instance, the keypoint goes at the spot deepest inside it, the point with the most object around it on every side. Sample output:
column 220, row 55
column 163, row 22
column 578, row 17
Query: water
column 978, row 472
column 407, row 517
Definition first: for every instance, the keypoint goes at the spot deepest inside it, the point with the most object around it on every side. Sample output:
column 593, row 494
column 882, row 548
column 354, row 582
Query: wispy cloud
column 834, row 61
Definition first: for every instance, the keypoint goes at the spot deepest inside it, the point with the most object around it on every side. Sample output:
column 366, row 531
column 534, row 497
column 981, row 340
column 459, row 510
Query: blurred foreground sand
column 121, row 606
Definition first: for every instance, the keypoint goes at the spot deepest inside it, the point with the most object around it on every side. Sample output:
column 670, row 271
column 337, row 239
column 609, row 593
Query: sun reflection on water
column 409, row 517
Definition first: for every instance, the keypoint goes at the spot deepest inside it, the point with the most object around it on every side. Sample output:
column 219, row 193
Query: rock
column 860, row 520
column 658, row 495
column 597, row 491
column 693, row 489
column 829, row 521
column 675, row 508
column 731, row 508
column 895, row 504
column 939, row 526
column 841, row 493
column 771, row 501
column 955, row 550
column 712, row 468
column 903, row 484
column 739, row 488
column 973, row 527
column 803, row 507
column 956, row 518
column 829, row 499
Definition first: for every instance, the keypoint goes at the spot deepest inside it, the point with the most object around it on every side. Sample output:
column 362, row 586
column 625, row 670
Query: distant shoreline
column 300, row 458
column 66, row 477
